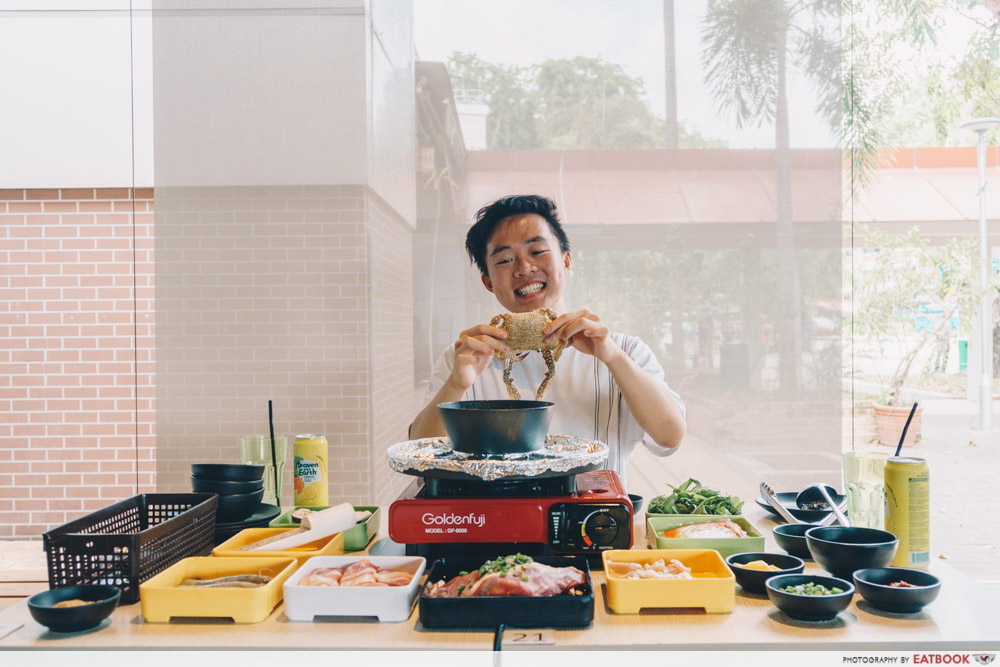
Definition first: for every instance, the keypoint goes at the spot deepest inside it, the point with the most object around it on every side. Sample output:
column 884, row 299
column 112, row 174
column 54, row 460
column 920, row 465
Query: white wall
column 260, row 98
column 77, row 94
column 334, row 104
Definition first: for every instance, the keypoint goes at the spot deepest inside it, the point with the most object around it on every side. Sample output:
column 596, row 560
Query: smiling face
column 527, row 268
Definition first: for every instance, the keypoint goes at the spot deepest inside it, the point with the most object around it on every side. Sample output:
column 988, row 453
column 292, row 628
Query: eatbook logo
column 985, row 658
column 451, row 519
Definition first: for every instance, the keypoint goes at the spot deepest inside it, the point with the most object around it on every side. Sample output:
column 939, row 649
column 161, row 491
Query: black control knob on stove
column 601, row 528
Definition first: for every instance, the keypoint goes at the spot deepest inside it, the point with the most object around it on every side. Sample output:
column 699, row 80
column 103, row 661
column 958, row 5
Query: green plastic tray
column 726, row 546
column 355, row 539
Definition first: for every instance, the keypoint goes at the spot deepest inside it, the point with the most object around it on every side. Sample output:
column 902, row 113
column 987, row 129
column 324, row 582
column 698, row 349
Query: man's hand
column 651, row 404
column 474, row 349
column 584, row 331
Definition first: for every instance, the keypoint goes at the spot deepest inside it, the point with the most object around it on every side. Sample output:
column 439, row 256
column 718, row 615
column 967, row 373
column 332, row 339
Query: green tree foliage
column 907, row 273
column 747, row 49
column 564, row 103
column 871, row 95
column 507, row 90
column 706, row 284
column 743, row 43
column 936, row 62
column 589, row 103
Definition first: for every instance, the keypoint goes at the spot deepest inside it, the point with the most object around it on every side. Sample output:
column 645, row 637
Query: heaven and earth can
column 311, row 456
column 907, row 509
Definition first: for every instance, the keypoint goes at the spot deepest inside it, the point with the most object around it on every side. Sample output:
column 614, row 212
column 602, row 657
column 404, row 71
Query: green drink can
column 907, row 509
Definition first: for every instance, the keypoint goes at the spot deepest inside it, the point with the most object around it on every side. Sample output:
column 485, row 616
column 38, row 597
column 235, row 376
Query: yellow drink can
column 907, row 509
column 311, row 482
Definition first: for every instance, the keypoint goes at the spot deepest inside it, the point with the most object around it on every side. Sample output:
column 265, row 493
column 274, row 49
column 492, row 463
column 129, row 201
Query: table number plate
column 533, row 637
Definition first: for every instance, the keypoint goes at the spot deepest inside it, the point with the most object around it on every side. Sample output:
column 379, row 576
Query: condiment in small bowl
column 918, row 588
column 806, row 607
column 98, row 601
column 752, row 578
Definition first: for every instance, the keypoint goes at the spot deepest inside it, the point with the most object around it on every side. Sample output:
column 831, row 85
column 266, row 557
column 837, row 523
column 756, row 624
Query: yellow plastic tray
column 328, row 546
column 161, row 597
column 713, row 587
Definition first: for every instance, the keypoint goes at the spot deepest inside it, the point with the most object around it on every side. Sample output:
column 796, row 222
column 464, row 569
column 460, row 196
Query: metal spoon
column 821, row 492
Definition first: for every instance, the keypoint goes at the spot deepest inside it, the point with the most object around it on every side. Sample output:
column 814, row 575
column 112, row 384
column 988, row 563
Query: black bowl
column 873, row 584
column 227, row 472
column 636, row 503
column 792, row 538
column 495, row 428
column 809, row 607
column 753, row 580
column 199, row 485
column 840, row 550
column 238, row 507
column 103, row 601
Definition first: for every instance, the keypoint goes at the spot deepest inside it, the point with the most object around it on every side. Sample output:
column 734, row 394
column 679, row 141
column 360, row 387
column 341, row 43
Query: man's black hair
column 493, row 214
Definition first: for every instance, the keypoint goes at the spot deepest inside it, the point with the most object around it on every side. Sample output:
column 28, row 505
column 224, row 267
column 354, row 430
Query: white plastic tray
column 388, row 603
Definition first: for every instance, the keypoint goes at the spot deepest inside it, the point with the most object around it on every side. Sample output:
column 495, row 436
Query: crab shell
column 524, row 331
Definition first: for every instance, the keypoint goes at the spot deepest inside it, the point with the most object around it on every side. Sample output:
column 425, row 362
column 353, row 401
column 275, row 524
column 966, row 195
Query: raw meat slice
column 532, row 580
column 393, row 577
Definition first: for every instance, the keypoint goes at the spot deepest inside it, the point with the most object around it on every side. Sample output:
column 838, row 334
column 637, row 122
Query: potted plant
column 908, row 295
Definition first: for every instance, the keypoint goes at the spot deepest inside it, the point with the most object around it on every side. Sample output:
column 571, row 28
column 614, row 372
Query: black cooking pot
column 495, row 428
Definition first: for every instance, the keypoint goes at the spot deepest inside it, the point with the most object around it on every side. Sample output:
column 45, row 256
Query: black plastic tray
column 560, row 611
column 128, row 542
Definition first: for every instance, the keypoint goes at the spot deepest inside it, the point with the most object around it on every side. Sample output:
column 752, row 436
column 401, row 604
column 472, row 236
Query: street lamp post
column 981, row 126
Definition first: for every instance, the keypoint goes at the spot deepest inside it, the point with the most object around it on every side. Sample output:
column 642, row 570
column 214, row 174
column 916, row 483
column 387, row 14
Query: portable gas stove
column 582, row 513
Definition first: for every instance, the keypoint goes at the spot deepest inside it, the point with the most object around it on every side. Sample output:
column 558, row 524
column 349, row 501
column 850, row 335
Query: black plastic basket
column 127, row 543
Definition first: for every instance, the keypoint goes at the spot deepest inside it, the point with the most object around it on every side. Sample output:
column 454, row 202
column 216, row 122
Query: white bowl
column 388, row 603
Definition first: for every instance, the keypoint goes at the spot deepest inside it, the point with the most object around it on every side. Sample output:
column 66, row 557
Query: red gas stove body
column 595, row 516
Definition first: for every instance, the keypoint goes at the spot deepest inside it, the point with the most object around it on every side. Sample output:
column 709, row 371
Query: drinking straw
column 906, row 426
column 274, row 458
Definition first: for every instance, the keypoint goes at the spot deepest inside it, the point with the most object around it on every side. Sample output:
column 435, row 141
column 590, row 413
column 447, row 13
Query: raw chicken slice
column 361, row 572
column 323, row 576
column 656, row 570
column 619, row 569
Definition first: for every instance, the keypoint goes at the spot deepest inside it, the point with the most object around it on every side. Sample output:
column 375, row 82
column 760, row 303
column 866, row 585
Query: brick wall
column 390, row 242
column 76, row 332
column 302, row 295
column 299, row 295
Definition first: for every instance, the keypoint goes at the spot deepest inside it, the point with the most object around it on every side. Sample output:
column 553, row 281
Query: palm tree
column 670, row 73
column 748, row 47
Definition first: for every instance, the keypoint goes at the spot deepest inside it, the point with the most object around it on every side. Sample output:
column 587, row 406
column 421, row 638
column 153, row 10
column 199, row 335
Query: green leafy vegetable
column 811, row 588
column 693, row 498
column 505, row 564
